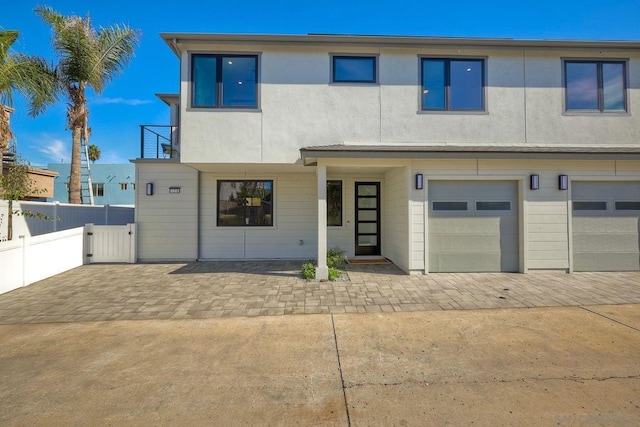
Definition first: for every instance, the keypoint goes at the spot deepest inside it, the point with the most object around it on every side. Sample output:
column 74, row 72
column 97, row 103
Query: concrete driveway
column 536, row 366
column 266, row 288
column 210, row 343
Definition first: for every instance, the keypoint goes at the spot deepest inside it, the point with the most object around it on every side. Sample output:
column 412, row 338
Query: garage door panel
column 620, row 224
column 605, row 243
column 476, row 262
column 467, row 225
column 614, row 261
column 605, row 240
column 455, row 243
column 473, row 240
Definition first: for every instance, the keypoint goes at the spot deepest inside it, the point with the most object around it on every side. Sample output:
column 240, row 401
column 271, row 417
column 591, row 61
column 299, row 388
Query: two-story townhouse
column 440, row 154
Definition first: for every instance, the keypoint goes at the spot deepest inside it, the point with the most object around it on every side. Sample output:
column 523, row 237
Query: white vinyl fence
column 25, row 260
column 43, row 248
column 65, row 216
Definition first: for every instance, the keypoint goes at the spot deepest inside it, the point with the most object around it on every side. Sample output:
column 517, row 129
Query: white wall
column 395, row 226
column 166, row 222
column 295, row 219
column 26, row 260
column 299, row 107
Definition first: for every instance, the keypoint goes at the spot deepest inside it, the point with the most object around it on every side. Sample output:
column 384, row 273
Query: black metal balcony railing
column 159, row 142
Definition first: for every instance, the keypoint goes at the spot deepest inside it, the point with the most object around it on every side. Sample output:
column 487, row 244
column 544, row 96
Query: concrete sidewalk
column 538, row 366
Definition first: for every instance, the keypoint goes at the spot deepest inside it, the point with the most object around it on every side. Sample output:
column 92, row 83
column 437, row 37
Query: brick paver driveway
column 257, row 288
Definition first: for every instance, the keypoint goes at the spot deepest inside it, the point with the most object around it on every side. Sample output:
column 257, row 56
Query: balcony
column 159, row 142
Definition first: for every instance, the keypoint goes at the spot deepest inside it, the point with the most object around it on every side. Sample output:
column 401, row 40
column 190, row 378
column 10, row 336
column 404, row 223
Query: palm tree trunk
column 5, row 132
column 78, row 116
column 74, row 180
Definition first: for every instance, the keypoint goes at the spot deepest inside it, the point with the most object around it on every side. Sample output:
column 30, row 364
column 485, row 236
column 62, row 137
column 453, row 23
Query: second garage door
column 606, row 226
column 473, row 226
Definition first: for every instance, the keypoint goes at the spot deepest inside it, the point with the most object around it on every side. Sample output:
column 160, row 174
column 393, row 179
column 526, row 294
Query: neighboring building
column 441, row 154
column 42, row 179
column 113, row 184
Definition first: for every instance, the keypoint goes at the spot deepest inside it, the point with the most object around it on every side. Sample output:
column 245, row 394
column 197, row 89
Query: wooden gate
column 110, row 243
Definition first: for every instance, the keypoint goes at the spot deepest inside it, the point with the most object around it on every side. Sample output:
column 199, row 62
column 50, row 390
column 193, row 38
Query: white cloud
column 56, row 151
column 112, row 157
column 123, row 101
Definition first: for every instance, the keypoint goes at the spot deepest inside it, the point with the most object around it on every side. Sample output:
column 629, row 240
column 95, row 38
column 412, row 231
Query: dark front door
column 367, row 218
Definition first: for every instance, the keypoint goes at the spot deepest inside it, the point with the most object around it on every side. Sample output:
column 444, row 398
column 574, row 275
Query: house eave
column 174, row 40
column 310, row 155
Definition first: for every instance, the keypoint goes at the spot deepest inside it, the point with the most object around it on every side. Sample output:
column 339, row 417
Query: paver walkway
column 258, row 288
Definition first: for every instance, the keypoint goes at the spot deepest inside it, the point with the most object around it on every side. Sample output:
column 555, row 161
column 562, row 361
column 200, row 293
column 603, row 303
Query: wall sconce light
column 419, row 181
column 563, row 182
column 149, row 189
column 534, row 181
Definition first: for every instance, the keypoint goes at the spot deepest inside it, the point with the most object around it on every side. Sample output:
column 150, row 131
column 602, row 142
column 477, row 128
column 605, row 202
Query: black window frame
column 219, row 76
column 340, row 201
column 589, row 205
column 373, row 58
column 218, row 185
column 447, row 84
column 599, row 63
column 449, row 206
column 493, row 205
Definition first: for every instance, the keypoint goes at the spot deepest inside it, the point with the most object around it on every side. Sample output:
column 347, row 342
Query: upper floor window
column 353, row 69
column 452, row 84
column 595, row 85
column 224, row 81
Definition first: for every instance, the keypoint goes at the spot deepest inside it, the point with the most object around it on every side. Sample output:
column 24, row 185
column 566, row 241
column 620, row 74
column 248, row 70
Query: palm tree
column 29, row 75
column 94, row 153
column 87, row 58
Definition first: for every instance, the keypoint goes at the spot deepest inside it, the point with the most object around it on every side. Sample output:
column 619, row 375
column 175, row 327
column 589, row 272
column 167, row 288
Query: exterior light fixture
column 419, row 181
column 149, row 191
column 534, row 181
column 563, row 182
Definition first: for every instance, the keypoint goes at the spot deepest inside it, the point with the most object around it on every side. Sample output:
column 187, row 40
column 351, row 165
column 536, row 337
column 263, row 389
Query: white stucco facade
column 523, row 130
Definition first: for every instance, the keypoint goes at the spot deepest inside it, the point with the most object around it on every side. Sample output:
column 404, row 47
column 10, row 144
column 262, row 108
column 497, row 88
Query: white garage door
column 605, row 226
column 473, row 226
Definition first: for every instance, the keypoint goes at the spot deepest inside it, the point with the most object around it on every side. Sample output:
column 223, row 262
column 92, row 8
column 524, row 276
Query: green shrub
column 308, row 271
column 335, row 258
column 334, row 273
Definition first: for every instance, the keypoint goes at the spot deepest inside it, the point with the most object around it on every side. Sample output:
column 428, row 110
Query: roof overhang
column 169, row 98
column 310, row 155
column 175, row 40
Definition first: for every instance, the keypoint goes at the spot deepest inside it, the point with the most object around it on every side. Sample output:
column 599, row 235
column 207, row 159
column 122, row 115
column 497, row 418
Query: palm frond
column 7, row 38
column 30, row 75
column 50, row 16
column 38, row 81
column 116, row 47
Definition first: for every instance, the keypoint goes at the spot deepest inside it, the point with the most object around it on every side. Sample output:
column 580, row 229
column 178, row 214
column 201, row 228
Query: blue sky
column 129, row 101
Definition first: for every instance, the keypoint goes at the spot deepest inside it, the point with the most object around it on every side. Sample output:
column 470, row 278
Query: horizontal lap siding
column 395, row 217
column 343, row 237
column 166, row 223
column 295, row 219
column 417, row 230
